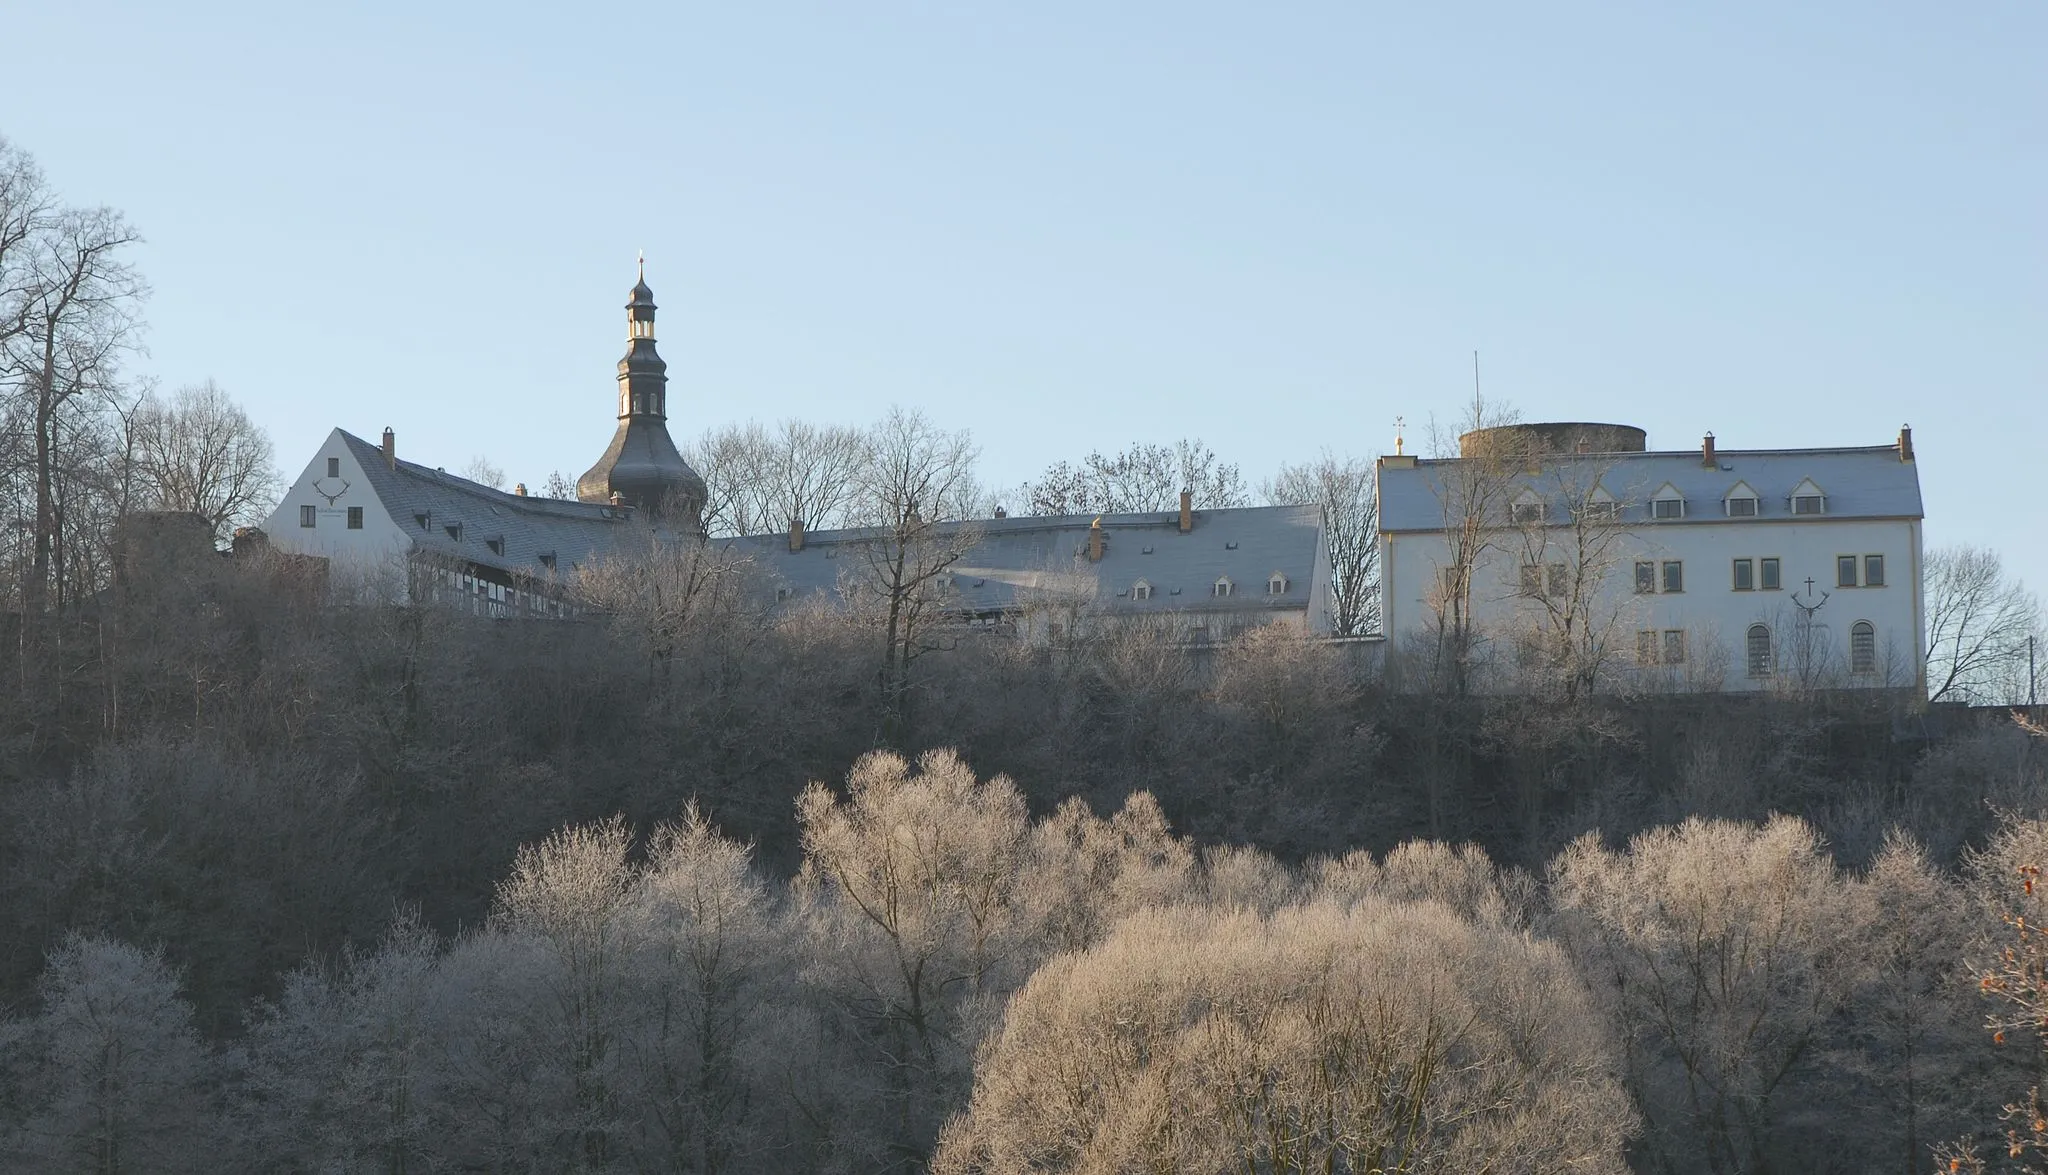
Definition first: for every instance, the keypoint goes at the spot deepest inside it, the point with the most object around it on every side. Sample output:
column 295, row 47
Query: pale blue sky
column 1061, row 225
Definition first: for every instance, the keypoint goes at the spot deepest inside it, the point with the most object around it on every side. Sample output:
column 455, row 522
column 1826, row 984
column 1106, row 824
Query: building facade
column 1574, row 550
column 397, row 529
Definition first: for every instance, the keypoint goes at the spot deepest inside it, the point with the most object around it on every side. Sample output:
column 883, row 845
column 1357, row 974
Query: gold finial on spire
column 1400, row 425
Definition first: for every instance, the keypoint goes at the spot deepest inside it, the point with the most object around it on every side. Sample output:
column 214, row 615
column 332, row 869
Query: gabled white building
column 1572, row 546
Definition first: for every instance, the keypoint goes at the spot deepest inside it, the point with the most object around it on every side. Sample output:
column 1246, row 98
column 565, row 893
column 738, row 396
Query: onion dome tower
column 641, row 467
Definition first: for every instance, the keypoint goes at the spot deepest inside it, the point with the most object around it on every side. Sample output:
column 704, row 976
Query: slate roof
column 575, row 533
column 1857, row 482
column 1016, row 555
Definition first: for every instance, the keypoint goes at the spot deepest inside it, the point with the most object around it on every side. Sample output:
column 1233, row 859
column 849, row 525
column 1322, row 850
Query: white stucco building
column 1699, row 569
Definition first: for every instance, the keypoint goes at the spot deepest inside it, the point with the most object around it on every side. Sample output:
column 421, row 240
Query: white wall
column 373, row 555
column 1715, row 617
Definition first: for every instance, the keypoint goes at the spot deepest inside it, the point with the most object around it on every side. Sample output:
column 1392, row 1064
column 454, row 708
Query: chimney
column 1905, row 442
column 390, row 449
column 1707, row 459
column 796, row 534
column 1095, row 540
column 1002, row 513
column 520, row 489
column 1187, row 511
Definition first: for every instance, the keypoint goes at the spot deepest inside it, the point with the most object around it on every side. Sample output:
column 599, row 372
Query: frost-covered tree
column 1382, row 1037
column 1720, row 952
column 112, row 1076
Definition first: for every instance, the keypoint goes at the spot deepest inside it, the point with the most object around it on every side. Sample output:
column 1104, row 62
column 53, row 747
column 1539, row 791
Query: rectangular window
column 1769, row 569
column 355, row 518
column 1873, row 571
column 1745, row 575
column 1558, row 584
column 1646, row 647
column 1646, row 578
column 1674, row 646
column 1742, row 507
column 334, row 467
column 1527, row 512
column 1667, row 508
column 307, row 515
column 1845, row 571
column 1806, row 504
column 1532, row 579
column 1674, row 576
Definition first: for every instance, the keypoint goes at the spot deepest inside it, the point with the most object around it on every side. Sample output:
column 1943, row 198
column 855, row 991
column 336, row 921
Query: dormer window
column 1601, row 506
column 1667, row 503
column 454, row 530
column 1528, row 510
column 1277, row 584
column 497, row 545
column 1141, row 590
column 547, row 560
column 1222, row 587
column 1740, row 502
column 1808, row 499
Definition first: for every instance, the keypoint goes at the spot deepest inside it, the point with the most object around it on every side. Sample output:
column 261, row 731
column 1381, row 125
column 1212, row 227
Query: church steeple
column 641, row 467
column 643, row 377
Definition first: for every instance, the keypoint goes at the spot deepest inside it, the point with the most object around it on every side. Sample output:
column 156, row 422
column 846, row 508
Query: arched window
column 1863, row 647
column 1141, row 590
column 1758, row 649
column 1222, row 586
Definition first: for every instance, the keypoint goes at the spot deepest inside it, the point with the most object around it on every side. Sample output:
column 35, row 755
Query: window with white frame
column 1741, row 505
column 1744, row 575
column 1222, row 586
column 1674, row 575
column 1141, row 590
column 1529, row 511
column 1863, row 647
column 308, row 515
column 1276, row 584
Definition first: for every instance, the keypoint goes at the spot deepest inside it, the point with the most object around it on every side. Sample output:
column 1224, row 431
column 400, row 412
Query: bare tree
column 1567, row 538
column 481, row 471
column 1139, row 479
column 1978, row 623
column 1343, row 487
column 760, row 481
column 201, row 453
column 1472, row 493
column 70, row 313
column 914, row 490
